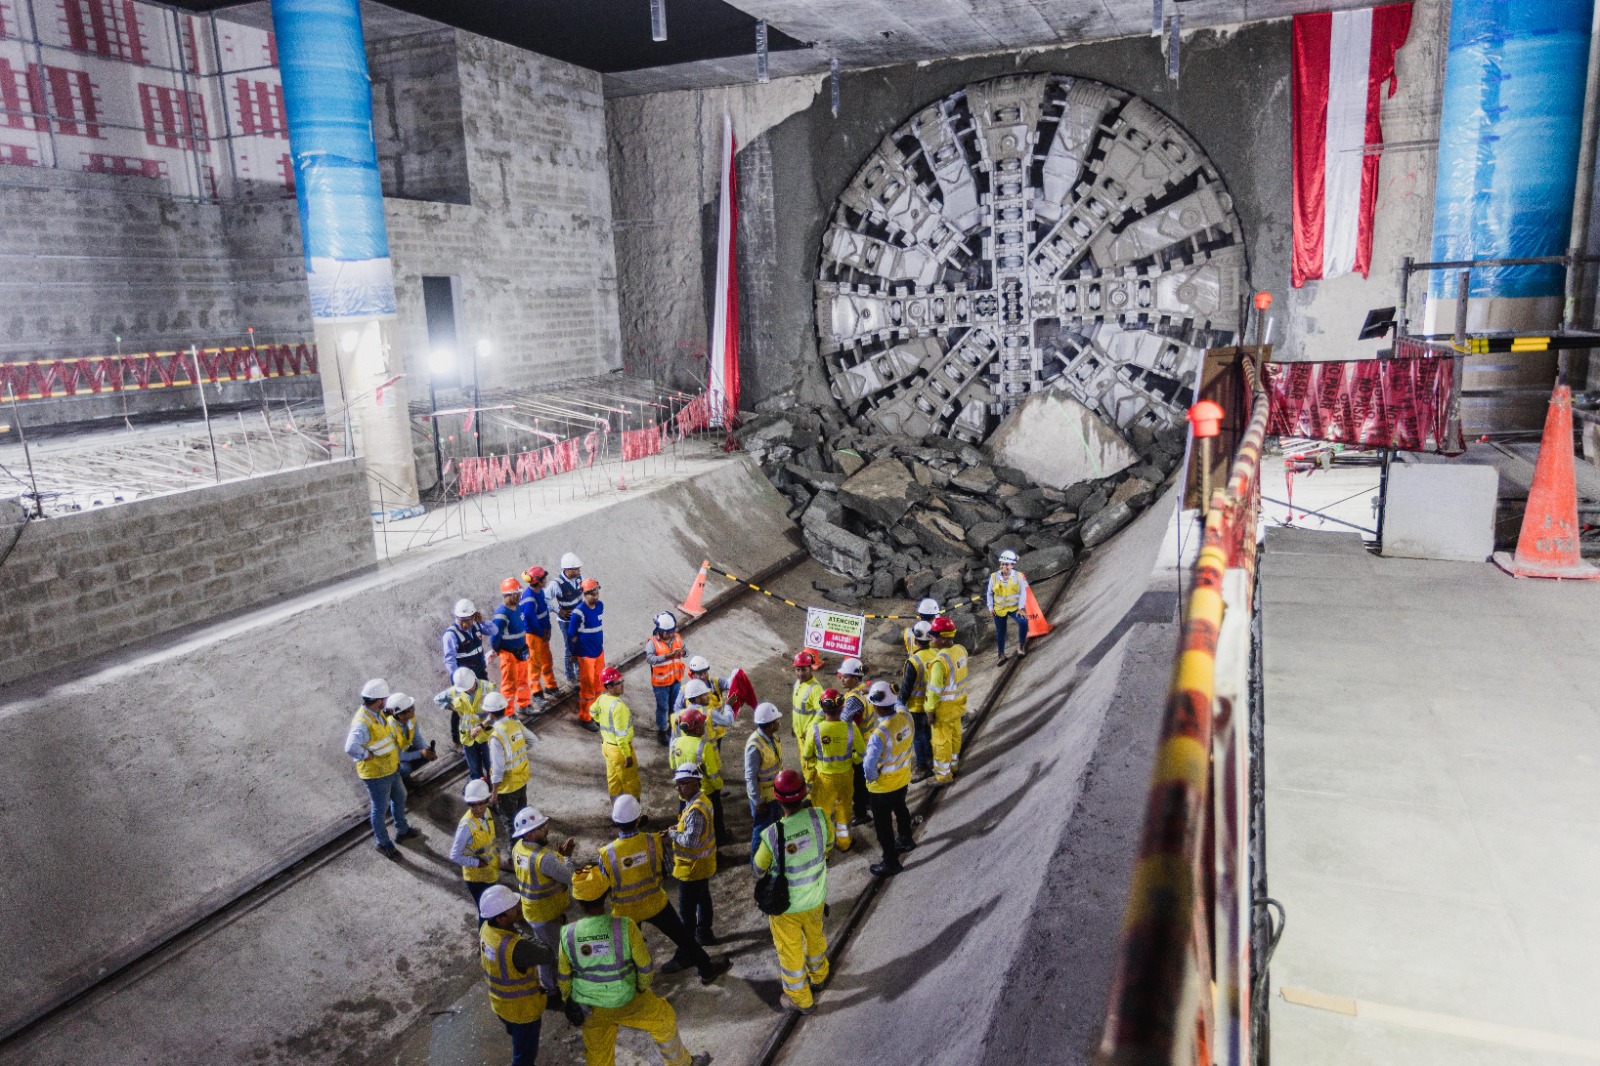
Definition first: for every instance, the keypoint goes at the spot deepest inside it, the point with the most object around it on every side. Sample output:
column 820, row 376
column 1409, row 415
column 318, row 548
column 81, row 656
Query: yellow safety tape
column 736, row 579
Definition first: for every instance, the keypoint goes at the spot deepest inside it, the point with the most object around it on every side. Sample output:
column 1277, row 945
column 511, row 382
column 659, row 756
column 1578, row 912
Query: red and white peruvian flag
column 1341, row 61
column 723, row 382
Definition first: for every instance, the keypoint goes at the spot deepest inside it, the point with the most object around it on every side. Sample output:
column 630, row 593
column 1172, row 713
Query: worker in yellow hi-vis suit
column 837, row 749
column 805, row 705
column 946, row 699
column 615, row 720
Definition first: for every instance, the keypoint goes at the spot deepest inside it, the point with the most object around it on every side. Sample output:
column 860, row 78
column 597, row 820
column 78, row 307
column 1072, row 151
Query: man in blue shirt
column 587, row 646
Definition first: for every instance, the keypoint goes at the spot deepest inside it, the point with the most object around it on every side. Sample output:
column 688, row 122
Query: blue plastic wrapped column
column 328, row 96
column 1508, row 144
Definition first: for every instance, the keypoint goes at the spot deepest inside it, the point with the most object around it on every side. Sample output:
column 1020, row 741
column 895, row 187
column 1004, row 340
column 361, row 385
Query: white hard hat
column 570, row 561
column 850, row 668
column 666, row 621
column 699, row 664
column 1008, row 556
column 686, row 771
column 766, row 712
column 881, row 694
column 695, row 688
column 376, row 689
column 465, row 609
column 922, row 631
column 464, row 679
column 494, row 702
column 477, row 791
column 496, row 900
column 528, row 819
column 929, row 605
column 398, row 703
column 625, row 809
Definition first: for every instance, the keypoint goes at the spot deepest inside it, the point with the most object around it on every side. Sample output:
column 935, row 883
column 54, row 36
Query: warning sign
column 834, row 632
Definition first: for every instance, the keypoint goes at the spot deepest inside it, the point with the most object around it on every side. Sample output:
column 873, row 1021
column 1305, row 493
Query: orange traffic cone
column 697, row 592
column 1037, row 625
column 1548, row 546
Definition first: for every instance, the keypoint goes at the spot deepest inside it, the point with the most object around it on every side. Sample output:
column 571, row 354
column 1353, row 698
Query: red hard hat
column 804, row 659
column 610, row 675
column 590, row 585
column 535, row 573
column 942, row 624
column 693, row 717
column 510, row 585
column 789, row 786
column 831, row 695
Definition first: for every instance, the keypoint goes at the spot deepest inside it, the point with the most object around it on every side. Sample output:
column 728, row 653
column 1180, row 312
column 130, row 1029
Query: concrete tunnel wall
column 224, row 754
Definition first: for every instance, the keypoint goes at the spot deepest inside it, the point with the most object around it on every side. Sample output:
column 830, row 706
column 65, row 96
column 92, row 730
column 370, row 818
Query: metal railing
column 1183, row 989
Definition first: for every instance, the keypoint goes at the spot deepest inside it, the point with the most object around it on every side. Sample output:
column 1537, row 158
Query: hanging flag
column 724, row 379
column 1341, row 61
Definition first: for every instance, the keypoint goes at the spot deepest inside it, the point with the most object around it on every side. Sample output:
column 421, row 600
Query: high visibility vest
column 664, row 674
column 469, row 645
column 949, row 691
column 514, row 746
column 806, row 706
column 404, row 733
column 1006, row 592
column 383, row 749
column 833, row 745
column 894, row 765
column 920, row 660
column 806, row 834
column 711, row 701
column 634, row 866
column 599, row 951
column 469, row 709
column 544, row 899
column 701, row 751
column 483, row 848
column 771, row 753
column 698, row 860
column 568, row 593
column 516, row 995
column 855, row 704
column 615, row 720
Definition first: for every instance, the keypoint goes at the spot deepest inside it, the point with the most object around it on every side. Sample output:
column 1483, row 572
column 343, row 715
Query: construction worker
column 698, row 694
column 511, row 965
column 605, row 972
column 800, row 841
column 1006, row 594
column 371, row 742
column 587, row 643
column 544, row 876
column 465, row 694
column 633, row 864
column 912, row 692
column 664, row 652
column 854, row 710
column 946, row 699
column 838, row 750
column 763, row 758
column 475, row 848
column 805, row 705
column 566, row 594
column 535, row 610
column 510, row 763
column 414, row 751
column 888, row 772
column 476, row 729
column 614, row 720
column 694, row 852
column 511, row 642
column 927, row 611
column 694, row 746
column 467, row 641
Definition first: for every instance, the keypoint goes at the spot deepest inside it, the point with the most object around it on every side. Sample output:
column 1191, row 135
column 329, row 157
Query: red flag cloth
column 1390, row 403
column 741, row 693
column 723, row 382
column 1342, row 60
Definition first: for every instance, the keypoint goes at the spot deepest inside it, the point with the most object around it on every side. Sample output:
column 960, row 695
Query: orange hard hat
column 510, row 585
column 693, row 718
column 591, row 585
column 610, row 675
column 789, row 786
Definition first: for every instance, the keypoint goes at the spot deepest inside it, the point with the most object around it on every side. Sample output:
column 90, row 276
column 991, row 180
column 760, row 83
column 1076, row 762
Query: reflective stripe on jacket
column 807, row 836
column 663, row 674
column 888, row 765
column 703, row 753
column 513, row 743
column 696, row 860
column 615, row 720
column 383, row 750
column 834, row 746
column 482, row 846
column 598, row 951
column 634, row 865
column 516, row 995
column 544, row 899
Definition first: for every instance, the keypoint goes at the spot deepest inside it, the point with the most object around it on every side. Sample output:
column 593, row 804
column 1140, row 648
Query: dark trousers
column 694, row 905
column 922, row 740
column 859, row 803
column 689, row 953
column 1000, row 630
column 889, row 812
column 477, row 888
column 508, row 804
column 761, row 816
column 477, row 756
column 524, row 1041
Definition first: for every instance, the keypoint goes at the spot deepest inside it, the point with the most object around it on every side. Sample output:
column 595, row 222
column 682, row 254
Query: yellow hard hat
column 590, row 884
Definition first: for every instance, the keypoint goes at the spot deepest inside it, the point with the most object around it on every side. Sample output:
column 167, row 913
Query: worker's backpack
column 772, row 887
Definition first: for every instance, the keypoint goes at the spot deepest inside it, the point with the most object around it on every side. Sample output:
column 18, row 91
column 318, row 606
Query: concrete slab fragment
column 1057, row 441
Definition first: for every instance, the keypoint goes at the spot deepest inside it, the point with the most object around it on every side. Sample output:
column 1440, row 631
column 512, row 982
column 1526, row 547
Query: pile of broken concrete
column 894, row 515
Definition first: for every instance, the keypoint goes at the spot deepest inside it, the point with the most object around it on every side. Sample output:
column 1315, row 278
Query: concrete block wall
column 416, row 117
column 100, row 580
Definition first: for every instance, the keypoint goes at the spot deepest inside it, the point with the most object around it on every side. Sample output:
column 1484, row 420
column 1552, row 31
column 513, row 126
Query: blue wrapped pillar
column 327, row 94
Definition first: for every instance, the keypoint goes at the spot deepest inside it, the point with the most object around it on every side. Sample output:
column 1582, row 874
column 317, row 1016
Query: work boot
column 1000, row 659
column 921, row 773
column 661, row 737
column 719, row 966
column 705, row 939
column 905, row 844
column 1022, row 650
column 674, row 965
column 389, row 851
column 882, row 869
column 794, row 1008
column 590, row 724
column 702, row 1059
column 410, row 833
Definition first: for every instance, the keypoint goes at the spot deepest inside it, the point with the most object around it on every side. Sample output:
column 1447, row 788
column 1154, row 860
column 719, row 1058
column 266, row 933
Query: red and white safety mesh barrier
column 1402, row 402
column 639, row 443
column 46, row 378
column 696, row 415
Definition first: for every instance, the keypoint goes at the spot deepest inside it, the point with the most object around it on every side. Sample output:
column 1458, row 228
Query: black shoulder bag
column 772, row 887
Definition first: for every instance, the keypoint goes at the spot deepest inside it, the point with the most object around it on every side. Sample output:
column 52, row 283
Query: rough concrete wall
column 811, row 156
column 1325, row 316
column 416, row 117
column 533, row 251
column 99, row 580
